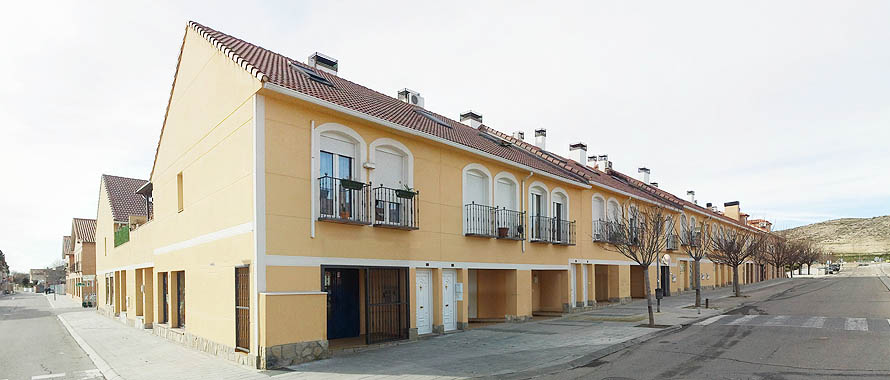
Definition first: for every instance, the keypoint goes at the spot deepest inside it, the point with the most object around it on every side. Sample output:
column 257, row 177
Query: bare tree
column 639, row 236
column 733, row 247
column 778, row 252
column 695, row 242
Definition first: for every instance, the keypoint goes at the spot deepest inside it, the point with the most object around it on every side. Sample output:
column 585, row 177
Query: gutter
column 376, row 120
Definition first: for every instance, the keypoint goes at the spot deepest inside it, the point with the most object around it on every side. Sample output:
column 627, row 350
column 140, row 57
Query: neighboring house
column 68, row 258
column 291, row 212
column 82, row 279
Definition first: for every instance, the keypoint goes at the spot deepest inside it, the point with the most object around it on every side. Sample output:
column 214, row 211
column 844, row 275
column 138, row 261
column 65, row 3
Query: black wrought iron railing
column 509, row 224
column 552, row 230
column 343, row 200
column 396, row 208
column 479, row 220
column 605, row 231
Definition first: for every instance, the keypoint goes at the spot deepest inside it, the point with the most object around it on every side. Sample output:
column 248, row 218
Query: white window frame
column 464, row 193
column 398, row 148
column 339, row 131
column 516, row 189
column 561, row 191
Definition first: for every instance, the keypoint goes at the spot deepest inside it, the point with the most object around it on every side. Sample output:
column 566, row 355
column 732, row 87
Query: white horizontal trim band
column 206, row 238
column 310, row 261
column 127, row 267
column 292, row 293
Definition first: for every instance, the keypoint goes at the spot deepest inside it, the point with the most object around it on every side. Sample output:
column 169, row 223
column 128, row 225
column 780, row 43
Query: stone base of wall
column 412, row 333
column 517, row 318
column 438, row 329
column 205, row 345
column 462, row 326
column 294, row 353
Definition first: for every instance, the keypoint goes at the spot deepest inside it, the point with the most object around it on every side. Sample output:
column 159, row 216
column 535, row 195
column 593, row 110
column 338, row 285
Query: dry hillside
column 849, row 235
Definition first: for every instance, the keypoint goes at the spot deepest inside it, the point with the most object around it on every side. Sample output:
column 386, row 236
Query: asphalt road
column 35, row 345
column 834, row 327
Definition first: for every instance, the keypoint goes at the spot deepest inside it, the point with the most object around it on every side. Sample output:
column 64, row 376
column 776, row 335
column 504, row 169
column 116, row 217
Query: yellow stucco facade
column 236, row 184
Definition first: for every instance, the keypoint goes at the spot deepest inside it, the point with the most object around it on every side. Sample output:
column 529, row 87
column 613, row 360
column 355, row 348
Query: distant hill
column 848, row 235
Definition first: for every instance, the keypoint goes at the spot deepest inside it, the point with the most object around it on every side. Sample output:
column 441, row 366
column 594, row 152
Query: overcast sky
column 781, row 105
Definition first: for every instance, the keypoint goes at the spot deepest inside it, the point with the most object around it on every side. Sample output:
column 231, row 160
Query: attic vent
column 432, row 117
column 312, row 74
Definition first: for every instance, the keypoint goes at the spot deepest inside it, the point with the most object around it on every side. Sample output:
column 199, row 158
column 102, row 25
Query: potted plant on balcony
column 351, row 185
column 406, row 192
column 344, row 212
column 503, row 232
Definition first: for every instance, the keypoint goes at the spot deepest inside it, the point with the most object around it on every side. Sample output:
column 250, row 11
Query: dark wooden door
column 342, row 285
column 242, row 309
column 180, row 299
column 165, row 298
column 387, row 304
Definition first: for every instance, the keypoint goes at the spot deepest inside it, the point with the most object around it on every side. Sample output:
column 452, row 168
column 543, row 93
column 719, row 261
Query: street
column 830, row 327
column 35, row 345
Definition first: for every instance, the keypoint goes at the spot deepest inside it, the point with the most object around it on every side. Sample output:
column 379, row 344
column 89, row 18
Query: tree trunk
column 648, row 295
column 697, row 283
column 808, row 268
column 735, row 281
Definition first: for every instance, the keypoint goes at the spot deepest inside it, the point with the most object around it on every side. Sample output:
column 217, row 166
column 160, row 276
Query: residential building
column 290, row 211
column 81, row 281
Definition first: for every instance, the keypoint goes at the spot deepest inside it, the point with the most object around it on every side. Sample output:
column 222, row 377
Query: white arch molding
column 543, row 190
column 336, row 130
column 385, row 142
column 561, row 191
column 516, row 189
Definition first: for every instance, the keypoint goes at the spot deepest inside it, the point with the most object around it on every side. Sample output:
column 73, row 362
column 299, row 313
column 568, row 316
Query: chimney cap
column 644, row 170
column 470, row 114
column 654, row 184
column 733, row 203
column 578, row 145
column 323, row 60
column 709, row 204
column 540, row 132
column 604, row 157
column 592, row 158
column 690, row 192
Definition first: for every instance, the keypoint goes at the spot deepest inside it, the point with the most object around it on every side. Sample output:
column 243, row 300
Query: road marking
column 778, row 320
column 815, row 322
column 50, row 376
column 711, row 320
column 100, row 363
column 856, row 324
column 742, row 320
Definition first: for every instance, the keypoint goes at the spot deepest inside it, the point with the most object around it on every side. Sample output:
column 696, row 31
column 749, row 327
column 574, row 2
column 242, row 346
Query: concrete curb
column 100, row 363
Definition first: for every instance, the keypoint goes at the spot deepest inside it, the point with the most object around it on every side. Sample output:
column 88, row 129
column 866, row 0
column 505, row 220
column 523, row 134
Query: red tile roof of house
column 121, row 193
column 83, row 230
column 66, row 246
column 277, row 69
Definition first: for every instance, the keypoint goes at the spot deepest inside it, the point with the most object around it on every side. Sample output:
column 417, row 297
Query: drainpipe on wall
column 524, row 209
column 312, row 180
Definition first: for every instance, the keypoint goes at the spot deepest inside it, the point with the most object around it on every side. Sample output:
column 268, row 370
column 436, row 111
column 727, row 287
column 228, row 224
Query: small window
column 179, row 202
column 312, row 74
column 432, row 117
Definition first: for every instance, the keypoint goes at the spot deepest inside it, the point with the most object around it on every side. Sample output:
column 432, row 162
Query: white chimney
column 541, row 138
column 579, row 149
column 645, row 172
column 603, row 163
column 324, row 63
column 519, row 135
column 471, row 118
column 411, row 97
column 691, row 195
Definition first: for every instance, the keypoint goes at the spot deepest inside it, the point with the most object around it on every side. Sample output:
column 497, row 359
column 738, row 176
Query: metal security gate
column 180, row 299
column 242, row 309
column 165, row 298
column 386, row 298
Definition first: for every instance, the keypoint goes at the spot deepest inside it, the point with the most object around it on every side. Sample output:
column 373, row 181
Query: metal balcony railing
column 552, row 230
column 395, row 208
column 604, row 231
column 509, row 224
column 479, row 220
column 343, row 200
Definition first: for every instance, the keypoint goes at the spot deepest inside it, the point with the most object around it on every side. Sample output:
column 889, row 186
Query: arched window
column 684, row 225
column 598, row 215
column 477, row 200
column 340, row 152
column 614, row 212
column 538, row 211
column 393, row 171
column 506, row 191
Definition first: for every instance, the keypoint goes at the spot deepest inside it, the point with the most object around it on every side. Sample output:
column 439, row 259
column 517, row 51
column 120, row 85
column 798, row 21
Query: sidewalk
column 507, row 350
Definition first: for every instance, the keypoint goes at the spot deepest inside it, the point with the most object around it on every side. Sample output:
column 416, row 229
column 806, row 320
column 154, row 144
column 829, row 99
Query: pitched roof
column 277, row 69
column 121, row 193
column 84, row 230
column 66, row 246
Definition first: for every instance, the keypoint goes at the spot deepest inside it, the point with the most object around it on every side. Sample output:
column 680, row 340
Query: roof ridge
column 534, row 150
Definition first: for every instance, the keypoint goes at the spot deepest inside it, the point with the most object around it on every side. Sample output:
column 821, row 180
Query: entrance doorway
column 424, row 290
column 165, row 298
column 180, row 299
column 366, row 305
column 242, row 309
column 449, row 319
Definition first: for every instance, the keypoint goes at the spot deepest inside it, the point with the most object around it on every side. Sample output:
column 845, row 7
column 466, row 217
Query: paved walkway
column 500, row 350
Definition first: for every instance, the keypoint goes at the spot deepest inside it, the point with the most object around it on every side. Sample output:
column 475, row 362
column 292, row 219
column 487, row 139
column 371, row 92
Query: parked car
column 49, row 291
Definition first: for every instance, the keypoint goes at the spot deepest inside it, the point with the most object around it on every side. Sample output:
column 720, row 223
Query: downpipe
column 524, row 207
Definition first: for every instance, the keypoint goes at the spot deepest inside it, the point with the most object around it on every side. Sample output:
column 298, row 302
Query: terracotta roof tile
column 84, row 230
column 66, row 246
column 277, row 69
column 121, row 193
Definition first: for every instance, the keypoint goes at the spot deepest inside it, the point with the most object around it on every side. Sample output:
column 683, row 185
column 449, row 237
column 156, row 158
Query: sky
column 781, row 105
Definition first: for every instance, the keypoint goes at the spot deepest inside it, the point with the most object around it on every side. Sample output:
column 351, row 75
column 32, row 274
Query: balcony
column 605, row 232
column 343, row 201
column 494, row 222
column 551, row 230
column 395, row 208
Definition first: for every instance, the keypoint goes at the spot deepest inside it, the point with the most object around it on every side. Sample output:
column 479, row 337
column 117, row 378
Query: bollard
column 706, row 303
